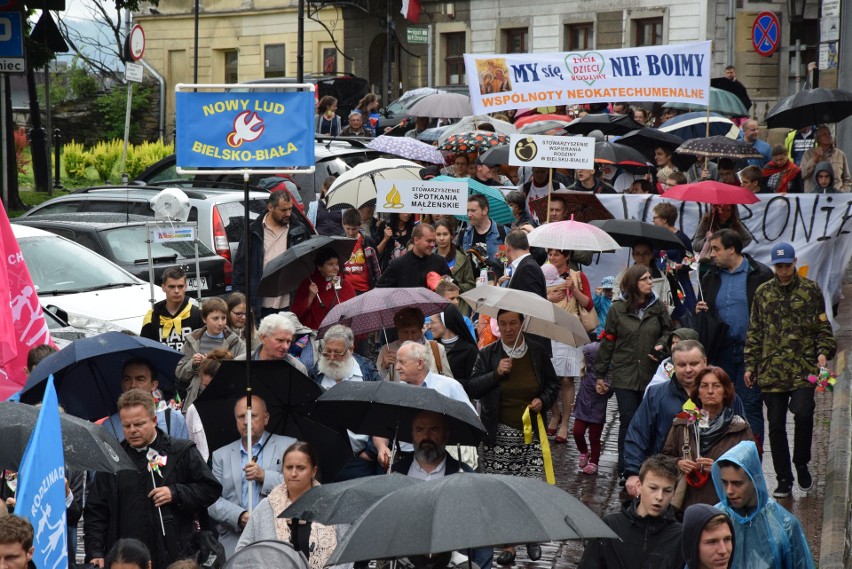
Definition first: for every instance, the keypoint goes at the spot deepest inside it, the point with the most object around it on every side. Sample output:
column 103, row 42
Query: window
column 232, row 64
column 579, row 36
column 454, row 60
column 516, row 40
column 648, row 31
column 273, row 60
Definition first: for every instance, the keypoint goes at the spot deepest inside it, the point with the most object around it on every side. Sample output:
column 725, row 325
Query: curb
column 836, row 529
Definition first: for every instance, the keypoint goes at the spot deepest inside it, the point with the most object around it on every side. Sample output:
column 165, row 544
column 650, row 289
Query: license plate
column 191, row 283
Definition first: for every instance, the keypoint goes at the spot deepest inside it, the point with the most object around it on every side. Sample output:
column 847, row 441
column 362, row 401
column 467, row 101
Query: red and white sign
column 136, row 41
column 766, row 33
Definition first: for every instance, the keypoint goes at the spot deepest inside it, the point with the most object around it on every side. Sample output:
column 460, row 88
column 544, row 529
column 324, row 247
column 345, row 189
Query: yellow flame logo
column 393, row 199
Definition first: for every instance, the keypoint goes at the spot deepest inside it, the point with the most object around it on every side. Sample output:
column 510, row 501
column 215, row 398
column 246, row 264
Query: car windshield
column 129, row 245
column 59, row 266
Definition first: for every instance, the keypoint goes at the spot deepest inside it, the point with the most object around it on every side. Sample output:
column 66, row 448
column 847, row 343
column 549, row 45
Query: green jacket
column 788, row 330
column 626, row 342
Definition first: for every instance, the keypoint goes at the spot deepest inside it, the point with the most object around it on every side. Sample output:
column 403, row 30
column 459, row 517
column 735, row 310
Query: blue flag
column 41, row 486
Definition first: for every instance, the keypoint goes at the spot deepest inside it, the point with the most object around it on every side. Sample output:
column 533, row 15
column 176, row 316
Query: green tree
column 113, row 105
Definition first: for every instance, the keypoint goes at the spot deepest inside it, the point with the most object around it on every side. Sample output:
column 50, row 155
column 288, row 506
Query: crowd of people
column 690, row 414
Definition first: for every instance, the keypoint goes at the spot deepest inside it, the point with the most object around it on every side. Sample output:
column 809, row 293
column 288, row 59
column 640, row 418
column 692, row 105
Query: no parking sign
column 766, row 33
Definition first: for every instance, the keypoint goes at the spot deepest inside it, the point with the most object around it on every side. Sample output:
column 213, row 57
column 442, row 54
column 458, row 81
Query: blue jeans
column 628, row 402
column 730, row 358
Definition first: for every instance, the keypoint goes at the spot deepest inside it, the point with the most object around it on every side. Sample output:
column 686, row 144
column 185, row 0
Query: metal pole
column 48, row 129
column 389, row 55
column 124, row 177
column 197, row 265
column 195, row 47
column 4, row 141
column 429, row 55
column 798, row 64
column 57, row 146
column 300, row 46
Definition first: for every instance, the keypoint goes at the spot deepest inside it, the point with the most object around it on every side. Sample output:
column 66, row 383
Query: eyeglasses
column 647, row 278
column 330, row 355
column 238, row 314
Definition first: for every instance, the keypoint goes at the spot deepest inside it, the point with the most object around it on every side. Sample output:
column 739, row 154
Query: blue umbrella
column 87, row 372
column 694, row 125
column 498, row 209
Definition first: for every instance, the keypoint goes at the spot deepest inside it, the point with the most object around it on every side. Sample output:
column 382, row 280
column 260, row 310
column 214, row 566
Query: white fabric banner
column 677, row 73
column 552, row 151
column 818, row 226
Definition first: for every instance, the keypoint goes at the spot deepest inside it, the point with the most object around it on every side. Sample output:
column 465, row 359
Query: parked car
column 332, row 157
column 218, row 212
column 396, row 112
column 62, row 333
column 125, row 242
column 86, row 287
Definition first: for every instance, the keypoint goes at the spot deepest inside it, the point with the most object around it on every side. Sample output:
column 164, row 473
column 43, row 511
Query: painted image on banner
column 493, row 76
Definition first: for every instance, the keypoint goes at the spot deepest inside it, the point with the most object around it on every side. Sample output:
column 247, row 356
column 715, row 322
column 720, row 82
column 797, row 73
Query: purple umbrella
column 374, row 309
column 408, row 148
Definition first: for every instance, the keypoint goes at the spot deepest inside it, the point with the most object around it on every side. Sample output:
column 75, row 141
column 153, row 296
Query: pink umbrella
column 374, row 310
column 712, row 192
column 527, row 119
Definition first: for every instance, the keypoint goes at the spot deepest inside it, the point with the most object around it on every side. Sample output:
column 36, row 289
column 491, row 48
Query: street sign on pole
column 133, row 72
column 766, row 33
column 418, row 35
column 136, row 42
column 12, row 58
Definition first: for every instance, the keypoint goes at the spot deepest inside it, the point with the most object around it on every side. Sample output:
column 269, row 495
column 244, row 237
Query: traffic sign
column 133, row 72
column 136, row 42
column 12, row 43
column 766, row 33
column 419, row 35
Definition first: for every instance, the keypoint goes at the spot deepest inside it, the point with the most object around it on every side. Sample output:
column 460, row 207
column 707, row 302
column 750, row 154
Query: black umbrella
column 289, row 396
column 628, row 231
column 614, row 153
column 386, row 409
column 647, row 139
column 712, row 331
column 87, row 446
column 286, row 272
column 87, row 372
column 344, row 502
column 267, row 553
column 606, row 123
column 495, row 156
column 810, row 107
column 468, row 511
column 718, row 147
column 734, row 87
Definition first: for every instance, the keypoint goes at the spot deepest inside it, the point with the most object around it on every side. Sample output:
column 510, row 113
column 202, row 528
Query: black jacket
column 158, row 318
column 528, row 276
column 711, row 282
column 297, row 233
column 329, row 222
column 646, row 542
column 410, row 270
column 453, row 466
column 485, row 385
column 118, row 505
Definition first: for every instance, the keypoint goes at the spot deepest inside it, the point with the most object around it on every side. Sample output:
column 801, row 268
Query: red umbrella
column 525, row 120
column 711, row 192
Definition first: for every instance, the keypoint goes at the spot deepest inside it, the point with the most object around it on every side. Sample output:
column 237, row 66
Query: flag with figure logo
column 22, row 323
column 41, row 486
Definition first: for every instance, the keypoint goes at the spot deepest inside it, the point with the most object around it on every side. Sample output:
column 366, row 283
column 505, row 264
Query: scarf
column 779, row 178
column 175, row 322
column 323, row 539
column 717, row 429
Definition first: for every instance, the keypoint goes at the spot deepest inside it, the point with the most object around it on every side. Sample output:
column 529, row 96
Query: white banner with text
column 412, row 196
column 552, row 151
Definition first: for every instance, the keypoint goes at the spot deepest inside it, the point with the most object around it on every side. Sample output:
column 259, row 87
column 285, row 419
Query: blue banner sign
column 245, row 130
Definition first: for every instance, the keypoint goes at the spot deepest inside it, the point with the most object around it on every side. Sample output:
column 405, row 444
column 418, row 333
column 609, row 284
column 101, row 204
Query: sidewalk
column 603, row 495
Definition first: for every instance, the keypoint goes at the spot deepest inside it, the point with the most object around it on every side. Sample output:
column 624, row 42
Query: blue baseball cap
column 608, row 282
column 783, row 253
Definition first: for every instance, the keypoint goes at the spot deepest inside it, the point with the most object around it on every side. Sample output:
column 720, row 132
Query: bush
column 141, row 156
column 21, row 144
column 76, row 160
column 103, row 157
column 113, row 106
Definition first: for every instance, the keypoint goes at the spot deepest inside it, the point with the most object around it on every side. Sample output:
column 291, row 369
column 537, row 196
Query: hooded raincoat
column 768, row 536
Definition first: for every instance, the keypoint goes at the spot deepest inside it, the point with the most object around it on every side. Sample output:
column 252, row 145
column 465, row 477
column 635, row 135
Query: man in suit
column 525, row 272
column 234, row 468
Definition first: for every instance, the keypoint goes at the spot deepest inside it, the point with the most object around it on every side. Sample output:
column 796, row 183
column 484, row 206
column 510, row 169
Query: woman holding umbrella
column 321, row 291
column 718, row 430
column 635, row 327
column 316, row 541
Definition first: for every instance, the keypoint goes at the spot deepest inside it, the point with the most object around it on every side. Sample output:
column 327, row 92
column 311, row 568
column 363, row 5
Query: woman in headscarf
column 718, row 430
column 450, row 329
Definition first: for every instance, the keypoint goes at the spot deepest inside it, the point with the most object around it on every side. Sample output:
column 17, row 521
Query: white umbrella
column 357, row 187
column 470, row 123
column 442, row 105
column 572, row 235
column 541, row 316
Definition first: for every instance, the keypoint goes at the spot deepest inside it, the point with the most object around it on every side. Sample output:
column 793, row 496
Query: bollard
column 57, row 146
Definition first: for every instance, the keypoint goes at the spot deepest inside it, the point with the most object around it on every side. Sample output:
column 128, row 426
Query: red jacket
column 313, row 315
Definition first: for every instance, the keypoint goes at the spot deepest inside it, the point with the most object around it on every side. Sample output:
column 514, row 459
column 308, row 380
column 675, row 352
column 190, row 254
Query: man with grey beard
column 337, row 363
